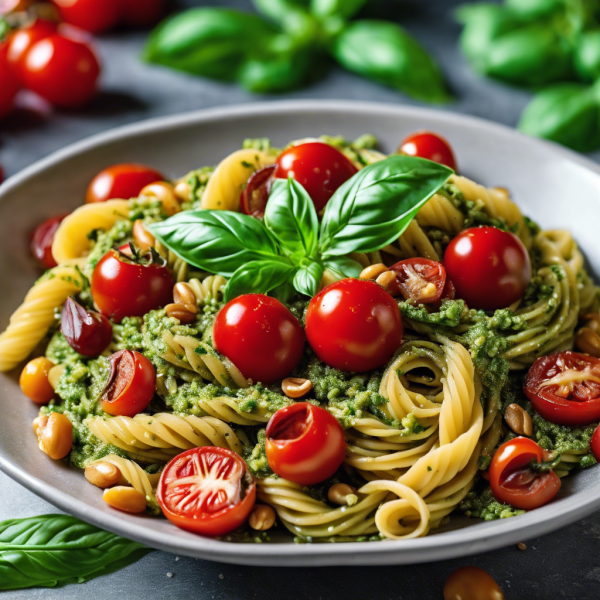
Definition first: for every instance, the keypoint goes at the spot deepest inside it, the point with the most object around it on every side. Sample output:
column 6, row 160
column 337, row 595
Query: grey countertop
column 561, row 565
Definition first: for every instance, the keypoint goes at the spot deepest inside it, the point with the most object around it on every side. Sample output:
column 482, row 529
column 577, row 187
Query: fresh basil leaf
column 293, row 17
column 258, row 277
column 307, row 279
column 384, row 52
column 566, row 113
column 587, row 55
column 52, row 549
column 343, row 267
column 291, row 218
column 375, row 206
column 280, row 10
column 336, row 8
column 533, row 9
column 217, row 241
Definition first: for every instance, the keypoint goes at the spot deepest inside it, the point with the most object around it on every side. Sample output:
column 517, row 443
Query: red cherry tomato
column 429, row 145
column 354, row 325
column 124, row 287
column 253, row 200
column 124, row 180
column 21, row 40
column 490, row 268
column 130, row 386
column 9, row 86
column 421, row 280
column 595, row 443
column 564, row 388
column 305, row 443
column 141, row 13
column 89, row 333
column 41, row 241
column 319, row 167
column 207, row 490
column 94, row 16
column 61, row 70
column 260, row 336
column 514, row 482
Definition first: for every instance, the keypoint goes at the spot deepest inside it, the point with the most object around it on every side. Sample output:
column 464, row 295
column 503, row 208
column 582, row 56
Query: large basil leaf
column 291, row 218
column 218, row 241
column 258, row 277
column 534, row 9
column 52, row 549
column 336, row 8
column 307, row 279
column 375, row 206
column 587, row 55
column 343, row 267
column 384, row 52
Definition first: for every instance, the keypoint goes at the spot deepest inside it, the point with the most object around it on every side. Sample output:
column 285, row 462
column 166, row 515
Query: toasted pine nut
column 184, row 294
column 163, row 191
column 389, row 283
column 183, row 191
column 180, row 312
column 588, row 341
column 518, row 420
column 342, row 494
column 125, row 498
column 262, row 517
column 56, row 437
column 296, row 387
column 103, row 475
column 428, row 291
column 373, row 271
column 143, row 238
column 592, row 321
column 39, row 423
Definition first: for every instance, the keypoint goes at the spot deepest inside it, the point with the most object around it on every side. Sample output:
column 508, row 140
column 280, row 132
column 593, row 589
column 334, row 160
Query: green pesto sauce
column 197, row 180
column 256, row 457
column 451, row 313
column 59, row 351
column 473, row 212
column 128, row 333
column 481, row 504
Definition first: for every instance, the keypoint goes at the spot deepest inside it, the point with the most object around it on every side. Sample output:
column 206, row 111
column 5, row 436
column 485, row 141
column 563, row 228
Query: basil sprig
column 366, row 213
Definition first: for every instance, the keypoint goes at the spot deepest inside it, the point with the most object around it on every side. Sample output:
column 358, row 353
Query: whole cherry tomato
column 94, row 16
column 141, row 13
column 61, row 70
column 471, row 583
column 304, row 444
column 421, row 280
column 354, row 325
column 207, row 490
column 9, row 86
column 34, row 380
column 319, row 167
column 22, row 39
column 429, row 145
column 260, row 336
column 130, row 385
column 490, row 268
column 89, row 333
column 253, row 200
column 130, row 286
column 564, row 388
column 124, row 180
column 518, row 477
column 41, row 241
column 595, row 443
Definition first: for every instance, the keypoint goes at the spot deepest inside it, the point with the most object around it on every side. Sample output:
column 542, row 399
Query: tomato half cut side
column 253, row 200
column 564, row 388
column 207, row 490
column 420, row 279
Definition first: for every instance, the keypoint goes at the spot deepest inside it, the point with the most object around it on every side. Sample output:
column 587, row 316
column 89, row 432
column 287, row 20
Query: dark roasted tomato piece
column 421, row 280
column 253, row 200
column 42, row 238
column 89, row 333
column 431, row 146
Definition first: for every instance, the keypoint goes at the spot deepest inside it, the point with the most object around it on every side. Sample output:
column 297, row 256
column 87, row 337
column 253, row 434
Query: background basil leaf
column 533, row 9
column 218, row 241
column 307, row 279
column 291, row 218
column 280, row 10
column 342, row 267
column 587, row 55
column 52, row 549
column 566, row 113
column 384, row 52
column 258, row 277
column 375, row 206
column 336, row 8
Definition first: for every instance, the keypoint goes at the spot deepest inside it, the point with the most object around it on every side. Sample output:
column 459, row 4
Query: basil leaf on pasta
column 307, row 279
column 336, row 8
column 258, row 277
column 342, row 267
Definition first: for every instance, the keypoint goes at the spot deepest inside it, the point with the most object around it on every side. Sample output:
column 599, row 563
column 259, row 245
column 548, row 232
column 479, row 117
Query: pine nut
column 518, row 420
column 373, row 271
column 389, row 283
column 184, row 294
column 262, row 517
column 56, row 436
column 103, row 475
column 55, row 373
column 125, row 498
column 38, row 424
column 296, row 387
column 183, row 191
column 180, row 312
column 164, row 192
column 588, row 341
column 342, row 494
column 592, row 321
column 143, row 238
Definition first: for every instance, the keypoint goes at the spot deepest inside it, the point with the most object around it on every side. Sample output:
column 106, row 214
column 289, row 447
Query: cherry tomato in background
column 421, row 280
column 304, row 444
column 21, row 40
column 490, row 268
column 94, row 16
column 253, row 200
column 9, row 86
column 514, row 481
column 260, row 336
column 429, row 145
column 207, row 490
column 34, row 380
column 42, row 238
column 124, row 180
column 130, row 385
column 319, row 167
column 595, row 443
column 564, row 388
column 61, row 70
column 89, row 333
column 354, row 325
column 141, row 13
column 124, row 286
column 471, row 583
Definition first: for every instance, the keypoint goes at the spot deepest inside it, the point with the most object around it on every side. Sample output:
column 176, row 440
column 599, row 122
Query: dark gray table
column 560, row 565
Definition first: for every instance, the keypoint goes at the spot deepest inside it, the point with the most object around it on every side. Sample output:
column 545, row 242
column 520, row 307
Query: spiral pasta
column 209, row 289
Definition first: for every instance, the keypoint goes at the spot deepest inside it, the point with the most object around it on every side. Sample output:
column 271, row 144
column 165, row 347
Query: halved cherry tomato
column 490, row 268
column 564, row 388
column 126, row 286
column 34, row 380
column 319, row 167
column 304, row 444
column 142, row 13
column 9, row 86
column 260, row 336
column 354, row 325
column 22, row 39
column 124, row 180
column 130, row 385
column 207, row 490
column 595, row 443
column 94, row 16
column 431, row 146
column 421, row 280
column 253, row 200
column 89, row 333
column 41, row 241
column 514, row 481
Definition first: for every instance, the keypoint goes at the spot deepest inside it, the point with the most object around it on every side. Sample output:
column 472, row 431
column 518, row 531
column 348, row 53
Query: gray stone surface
column 560, row 565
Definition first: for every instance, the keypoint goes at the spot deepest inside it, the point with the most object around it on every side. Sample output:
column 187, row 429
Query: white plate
column 554, row 186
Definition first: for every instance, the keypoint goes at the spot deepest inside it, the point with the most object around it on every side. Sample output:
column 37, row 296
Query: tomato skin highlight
column 354, row 325
column 425, row 144
column 130, row 385
column 583, row 407
column 42, row 238
column 513, row 482
column 305, row 443
column 489, row 268
column 421, row 280
column 319, row 167
column 260, row 336
column 21, row 40
column 94, row 16
column 223, row 518
column 125, row 180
